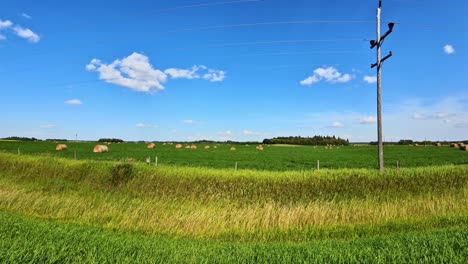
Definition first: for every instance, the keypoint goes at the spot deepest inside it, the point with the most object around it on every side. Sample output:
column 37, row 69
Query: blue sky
column 231, row 70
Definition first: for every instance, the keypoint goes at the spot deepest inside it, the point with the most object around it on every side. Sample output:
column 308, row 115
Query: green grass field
column 281, row 158
column 59, row 210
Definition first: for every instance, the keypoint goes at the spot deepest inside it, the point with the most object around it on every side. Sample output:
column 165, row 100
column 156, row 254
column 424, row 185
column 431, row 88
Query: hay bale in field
column 100, row 149
column 232, row 148
column 464, row 148
column 438, row 144
column 187, row 147
column 193, row 147
column 60, row 147
column 215, row 147
column 151, row 145
column 207, row 147
column 455, row 145
column 178, row 146
column 259, row 147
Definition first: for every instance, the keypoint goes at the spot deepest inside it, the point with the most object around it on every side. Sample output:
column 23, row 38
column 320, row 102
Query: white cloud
column 141, row 125
column 46, row 126
column 337, row 124
column 449, row 49
column 5, row 24
column 214, row 75
column 26, row 16
column 247, row 132
column 433, row 116
column 90, row 67
column 192, row 122
column 182, row 73
column 368, row 120
column 419, row 117
column 370, row 79
column 226, row 133
column 2, row 37
column 26, row 33
column 310, row 80
column 136, row 72
column 73, row 102
column 329, row 74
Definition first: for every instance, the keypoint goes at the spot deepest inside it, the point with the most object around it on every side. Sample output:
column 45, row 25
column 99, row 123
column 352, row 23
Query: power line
column 198, row 5
column 268, row 24
column 273, row 42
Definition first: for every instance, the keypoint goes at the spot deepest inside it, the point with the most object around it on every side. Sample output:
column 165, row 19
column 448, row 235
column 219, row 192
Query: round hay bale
column 193, row 147
column 100, row 149
column 215, row 147
column 464, row 148
column 187, row 147
column 207, row 147
column 232, row 148
column 438, row 144
column 60, row 147
column 178, row 146
column 151, row 145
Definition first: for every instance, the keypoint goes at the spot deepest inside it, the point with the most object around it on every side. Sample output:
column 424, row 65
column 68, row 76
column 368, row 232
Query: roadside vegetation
column 185, row 214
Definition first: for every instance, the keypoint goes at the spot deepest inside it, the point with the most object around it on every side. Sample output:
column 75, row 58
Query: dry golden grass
column 198, row 219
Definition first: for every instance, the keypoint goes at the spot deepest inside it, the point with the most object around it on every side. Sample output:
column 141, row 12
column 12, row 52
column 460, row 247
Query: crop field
column 56, row 209
column 272, row 158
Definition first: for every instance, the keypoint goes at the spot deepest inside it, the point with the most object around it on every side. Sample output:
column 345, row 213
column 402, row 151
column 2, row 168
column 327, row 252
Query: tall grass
column 222, row 204
column 26, row 240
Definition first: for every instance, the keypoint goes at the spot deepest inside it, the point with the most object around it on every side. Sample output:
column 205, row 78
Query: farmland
column 111, row 207
column 273, row 158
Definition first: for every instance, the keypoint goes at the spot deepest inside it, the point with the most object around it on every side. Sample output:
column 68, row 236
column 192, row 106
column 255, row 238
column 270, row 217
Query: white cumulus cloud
column 368, row 120
column 5, row 24
column 183, row 73
column 2, row 37
column 449, row 49
column 26, row 33
column 73, row 102
column 328, row 74
column 370, row 79
column 214, row 75
column 136, row 72
column 247, row 132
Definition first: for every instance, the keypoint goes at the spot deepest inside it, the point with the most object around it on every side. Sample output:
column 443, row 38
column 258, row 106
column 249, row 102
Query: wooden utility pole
column 379, row 92
column 378, row 43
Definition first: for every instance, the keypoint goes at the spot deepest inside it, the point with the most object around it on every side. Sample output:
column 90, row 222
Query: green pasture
column 272, row 158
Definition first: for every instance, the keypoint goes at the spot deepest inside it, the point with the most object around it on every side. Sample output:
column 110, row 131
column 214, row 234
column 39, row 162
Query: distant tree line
column 21, row 138
column 56, row 139
column 112, row 140
column 413, row 142
column 315, row 140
